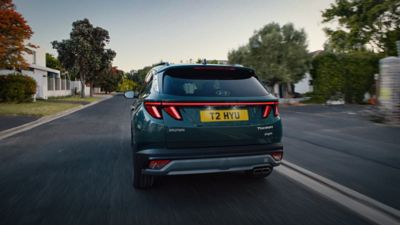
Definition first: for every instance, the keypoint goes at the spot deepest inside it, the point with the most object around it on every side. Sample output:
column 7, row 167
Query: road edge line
column 43, row 120
column 363, row 205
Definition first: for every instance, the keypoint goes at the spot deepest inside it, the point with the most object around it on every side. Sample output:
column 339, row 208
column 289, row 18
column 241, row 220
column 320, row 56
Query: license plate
column 223, row 115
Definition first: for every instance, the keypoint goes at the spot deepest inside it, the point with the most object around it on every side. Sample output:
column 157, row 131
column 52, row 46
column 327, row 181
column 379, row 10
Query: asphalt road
column 339, row 143
column 7, row 122
column 77, row 170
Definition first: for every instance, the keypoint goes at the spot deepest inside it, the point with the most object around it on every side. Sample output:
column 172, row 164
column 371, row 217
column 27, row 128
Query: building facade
column 49, row 81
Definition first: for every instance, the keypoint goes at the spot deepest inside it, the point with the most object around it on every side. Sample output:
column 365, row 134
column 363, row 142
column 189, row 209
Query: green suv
column 193, row 119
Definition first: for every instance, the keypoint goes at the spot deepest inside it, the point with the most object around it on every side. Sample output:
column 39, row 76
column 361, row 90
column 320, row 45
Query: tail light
column 268, row 108
column 173, row 112
column 158, row 163
column 277, row 155
column 154, row 109
column 276, row 110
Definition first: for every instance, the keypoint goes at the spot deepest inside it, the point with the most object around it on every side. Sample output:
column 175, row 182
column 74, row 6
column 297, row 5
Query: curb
column 365, row 206
column 25, row 127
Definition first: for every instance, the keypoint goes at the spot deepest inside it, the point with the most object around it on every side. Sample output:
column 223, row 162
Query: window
column 228, row 85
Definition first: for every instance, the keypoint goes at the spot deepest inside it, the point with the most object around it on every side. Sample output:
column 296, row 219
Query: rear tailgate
column 211, row 124
column 206, row 106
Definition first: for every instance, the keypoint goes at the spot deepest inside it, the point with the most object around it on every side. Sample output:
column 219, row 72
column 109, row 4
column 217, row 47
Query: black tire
column 140, row 180
column 249, row 173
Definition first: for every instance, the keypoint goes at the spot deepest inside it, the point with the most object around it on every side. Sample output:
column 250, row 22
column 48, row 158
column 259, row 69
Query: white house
column 49, row 81
column 305, row 85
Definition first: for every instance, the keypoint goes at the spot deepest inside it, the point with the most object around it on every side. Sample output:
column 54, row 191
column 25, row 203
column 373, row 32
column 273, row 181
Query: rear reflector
column 158, row 163
column 277, row 155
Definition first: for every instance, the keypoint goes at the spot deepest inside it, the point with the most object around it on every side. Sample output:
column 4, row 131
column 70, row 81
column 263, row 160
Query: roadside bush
column 16, row 88
column 351, row 74
column 127, row 85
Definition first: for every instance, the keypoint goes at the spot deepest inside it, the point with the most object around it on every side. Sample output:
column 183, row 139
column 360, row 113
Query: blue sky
column 145, row 32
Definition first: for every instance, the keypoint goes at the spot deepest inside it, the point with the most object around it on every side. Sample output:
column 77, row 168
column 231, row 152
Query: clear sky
column 145, row 32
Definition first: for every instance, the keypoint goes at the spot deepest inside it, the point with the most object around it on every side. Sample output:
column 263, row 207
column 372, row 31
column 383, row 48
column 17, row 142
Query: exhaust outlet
column 262, row 170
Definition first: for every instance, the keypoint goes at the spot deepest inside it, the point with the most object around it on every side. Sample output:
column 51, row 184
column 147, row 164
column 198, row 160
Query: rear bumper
column 210, row 160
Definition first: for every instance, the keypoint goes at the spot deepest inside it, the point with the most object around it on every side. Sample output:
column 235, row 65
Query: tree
column 239, row 56
column 374, row 24
column 84, row 54
column 141, row 74
column 109, row 79
column 348, row 74
column 127, row 85
column 278, row 54
column 209, row 61
column 53, row 62
column 14, row 32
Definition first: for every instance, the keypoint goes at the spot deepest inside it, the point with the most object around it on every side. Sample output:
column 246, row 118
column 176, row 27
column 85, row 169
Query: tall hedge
column 16, row 88
column 348, row 74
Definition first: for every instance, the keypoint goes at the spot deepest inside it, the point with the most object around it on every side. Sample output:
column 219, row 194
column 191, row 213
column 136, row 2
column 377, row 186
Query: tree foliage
column 141, row 74
column 84, row 53
column 348, row 74
column 127, row 84
column 277, row 53
column 375, row 23
column 109, row 79
column 53, row 62
column 209, row 61
column 14, row 32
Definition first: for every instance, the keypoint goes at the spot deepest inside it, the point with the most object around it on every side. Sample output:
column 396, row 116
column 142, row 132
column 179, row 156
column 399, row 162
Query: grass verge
column 39, row 108
column 77, row 99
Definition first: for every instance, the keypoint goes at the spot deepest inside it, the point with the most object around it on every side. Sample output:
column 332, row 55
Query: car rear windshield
column 212, row 83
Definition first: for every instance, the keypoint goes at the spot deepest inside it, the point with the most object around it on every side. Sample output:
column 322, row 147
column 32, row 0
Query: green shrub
column 351, row 74
column 16, row 88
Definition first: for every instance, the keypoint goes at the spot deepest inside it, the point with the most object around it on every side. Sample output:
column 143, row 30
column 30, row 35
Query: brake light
column 154, row 109
column 214, row 68
column 267, row 110
column 276, row 110
column 158, row 163
column 173, row 112
column 193, row 104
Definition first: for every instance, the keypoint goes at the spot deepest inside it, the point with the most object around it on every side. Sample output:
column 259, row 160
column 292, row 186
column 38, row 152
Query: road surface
column 337, row 142
column 77, row 170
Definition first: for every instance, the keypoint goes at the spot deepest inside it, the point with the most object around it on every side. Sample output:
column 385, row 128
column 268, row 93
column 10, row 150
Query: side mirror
column 130, row 94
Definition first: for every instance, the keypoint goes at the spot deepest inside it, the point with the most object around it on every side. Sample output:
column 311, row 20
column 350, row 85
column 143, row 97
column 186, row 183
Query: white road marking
column 365, row 206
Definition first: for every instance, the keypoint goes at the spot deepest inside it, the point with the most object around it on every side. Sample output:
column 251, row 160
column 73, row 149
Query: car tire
column 140, row 180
